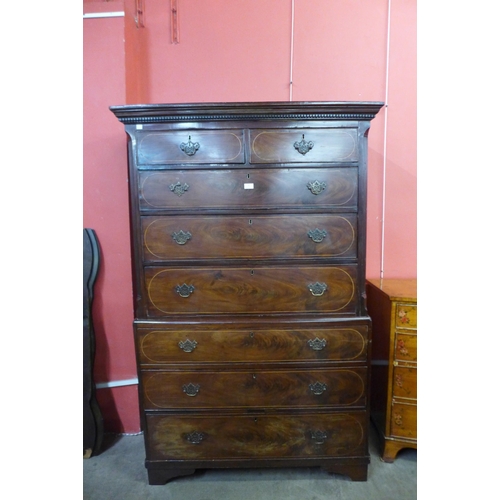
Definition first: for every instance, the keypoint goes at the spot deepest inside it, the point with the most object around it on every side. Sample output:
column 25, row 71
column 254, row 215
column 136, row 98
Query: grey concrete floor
column 118, row 472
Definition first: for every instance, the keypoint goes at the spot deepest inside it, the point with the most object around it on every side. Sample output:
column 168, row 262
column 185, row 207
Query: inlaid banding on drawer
column 271, row 389
column 191, row 146
column 248, row 189
column 242, row 436
column 250, row 290
column 303, row 145
column 192, row 346
column 253, row 237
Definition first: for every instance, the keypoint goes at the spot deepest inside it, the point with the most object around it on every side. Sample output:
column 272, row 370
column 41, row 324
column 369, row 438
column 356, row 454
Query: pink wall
column 242, row 51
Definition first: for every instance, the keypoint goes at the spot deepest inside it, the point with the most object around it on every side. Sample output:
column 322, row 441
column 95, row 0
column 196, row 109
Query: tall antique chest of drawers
column 251, row 332
column 392, row 305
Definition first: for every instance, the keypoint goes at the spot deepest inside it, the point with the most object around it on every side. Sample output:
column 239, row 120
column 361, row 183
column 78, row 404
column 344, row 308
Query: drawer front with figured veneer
column 404, row 420
column 303, row 145
column 190, row 146
column 247, row 346
column 405, row 382
column 406, row 315
column 304, row 289
column 240, row 437
column 256, row 237
column 271, row 389
column 244, row 189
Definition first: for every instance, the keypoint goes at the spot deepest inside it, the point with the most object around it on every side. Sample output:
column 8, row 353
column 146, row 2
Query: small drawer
column 404, row 383
column 272, row 389
column 157, row 346
column 190, row 146
column 256, row 290
column 249, row 189
column 252, row 237
column 405, row 349
column 303, row 145
column 404, row 420
column 406, row 315
column 254, row 437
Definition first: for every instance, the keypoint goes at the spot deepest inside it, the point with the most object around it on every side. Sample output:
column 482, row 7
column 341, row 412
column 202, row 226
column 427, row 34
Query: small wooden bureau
column 392, row 305
column 249, row 232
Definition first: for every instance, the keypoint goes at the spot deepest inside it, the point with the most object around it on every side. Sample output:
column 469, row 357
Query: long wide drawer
column 278, row 436
column 248, row 189
column 157, row 345
column 255, row 237
column 253, row 290
column 238, row 389
column 303, row 145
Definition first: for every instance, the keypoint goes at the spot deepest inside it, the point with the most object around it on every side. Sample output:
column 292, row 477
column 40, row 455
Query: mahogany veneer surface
column 248, row 237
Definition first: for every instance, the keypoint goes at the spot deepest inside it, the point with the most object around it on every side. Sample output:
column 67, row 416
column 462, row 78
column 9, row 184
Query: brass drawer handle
column 189, row 147
column 178, row 188
column 317, row 388
column 303, row 147
column 181, row 237
column 191, row 389
column 318, row 289
column 188, row 345
column 317, row 344
column 195, row 437
column 316, row 187
column 317, row 235
column 319, row 437
column 184, row 290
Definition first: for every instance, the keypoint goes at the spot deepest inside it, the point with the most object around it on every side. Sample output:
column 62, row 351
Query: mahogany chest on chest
column 251, row 333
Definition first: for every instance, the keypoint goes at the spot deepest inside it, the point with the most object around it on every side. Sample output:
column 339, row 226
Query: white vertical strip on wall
column 291, row 50
column 95, row 15
column 384, row 158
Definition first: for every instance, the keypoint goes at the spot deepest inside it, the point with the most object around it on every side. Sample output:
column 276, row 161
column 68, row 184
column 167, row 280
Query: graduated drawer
column 198, row 390
column 245, row 189
column 303, row 145
column 255, row 237
column 230, row 290
column 156, row 346
column 406, row 347
column 404, row 420
column 190, row 146
column 404, row 382
column 406, row 315
column 254, row 437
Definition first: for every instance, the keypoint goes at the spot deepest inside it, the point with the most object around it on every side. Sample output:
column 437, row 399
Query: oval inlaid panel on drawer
column 191, row 146
column 266, row 436
column 272, row 389
column 251, row 290
column 406, row 315
column 406, row 347
column 245, row 346
column 303, row 145
column 255, row 237
column 248, row 189
column 405, row 382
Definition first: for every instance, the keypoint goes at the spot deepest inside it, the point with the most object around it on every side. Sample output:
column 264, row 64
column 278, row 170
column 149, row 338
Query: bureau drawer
column 245, row 189
column 404, row 382
column 190, row 146
column 303, row 145
column 255, row 237
column 156, row 346
column 406, row 315
column 195, row 390
column 251, row 290
column 406, row 347
column 404, row 420
column 238, row 436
